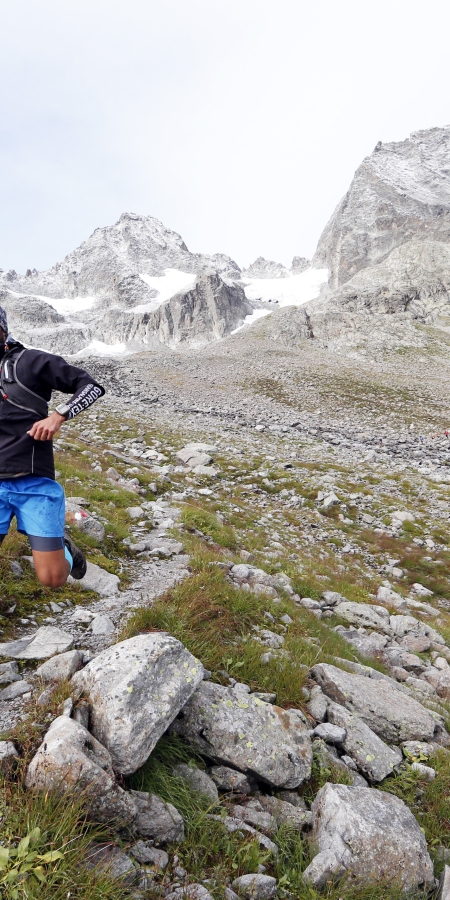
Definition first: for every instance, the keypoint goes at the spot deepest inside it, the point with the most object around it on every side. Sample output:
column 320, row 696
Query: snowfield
column 99, row 348
column 167, row 286
column 295, row 290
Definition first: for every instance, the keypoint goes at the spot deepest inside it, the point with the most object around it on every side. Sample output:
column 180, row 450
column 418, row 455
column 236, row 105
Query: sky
column 237, row 123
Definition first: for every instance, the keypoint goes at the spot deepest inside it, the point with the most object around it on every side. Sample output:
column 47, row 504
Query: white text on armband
column 88, row 396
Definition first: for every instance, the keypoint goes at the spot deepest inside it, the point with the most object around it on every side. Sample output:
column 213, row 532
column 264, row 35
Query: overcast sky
column 238, row 123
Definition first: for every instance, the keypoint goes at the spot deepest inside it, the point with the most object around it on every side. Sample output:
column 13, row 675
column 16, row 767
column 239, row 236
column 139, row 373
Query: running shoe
column 79, row 559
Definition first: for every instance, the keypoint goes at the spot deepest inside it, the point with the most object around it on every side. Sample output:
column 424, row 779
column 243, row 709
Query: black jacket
column 42, row 373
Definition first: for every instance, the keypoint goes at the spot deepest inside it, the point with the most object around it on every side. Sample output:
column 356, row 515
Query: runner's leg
column 51, row 566
column 39, row 508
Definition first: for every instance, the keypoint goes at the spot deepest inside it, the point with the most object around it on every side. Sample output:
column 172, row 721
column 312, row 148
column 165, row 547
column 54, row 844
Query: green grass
column 429, row 801
column 195, row 518
column 214, row 620
column 65, row 828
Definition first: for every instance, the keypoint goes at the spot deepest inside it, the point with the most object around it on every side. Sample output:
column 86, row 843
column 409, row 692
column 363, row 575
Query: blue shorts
column 39, row 507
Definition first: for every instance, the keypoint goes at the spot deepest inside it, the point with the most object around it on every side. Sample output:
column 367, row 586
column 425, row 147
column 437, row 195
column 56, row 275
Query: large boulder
column 135, row 690
column 391, row 717
column 70, row 759
column 363, row 614
column 372, row 756
column 245, row 732
column 45, row 642
column 372, row 836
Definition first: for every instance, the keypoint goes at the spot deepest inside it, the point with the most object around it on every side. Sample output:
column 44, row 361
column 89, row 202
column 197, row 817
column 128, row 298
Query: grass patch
column 195, row 518
column 66, row 833
column 215, row 621
column 428, row 800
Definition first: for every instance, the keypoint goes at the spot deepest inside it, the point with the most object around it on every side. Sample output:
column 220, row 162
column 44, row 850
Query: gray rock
column 9, row 672
column 135, row 689
column 285, row 813
column 373, row 835
column 402, row 625
column 15, row 690
column 102, row 624
column 190, row 457
column 81, row 713
column 230, row 780
column 330, row 732
column 232, row 825
column 418, row 749
column 80, row 518
column 135, row 512
column 111, row 860
column 293, row 798
column 254, row 814
column 317, row 705
column 397, row 657
column 333, row 597
column 372, row 756
column 229, row 894
column 8, row 755
column 156, row 819
column 444, row 884
column 190, row 892
column 145, row 852
column 46, row 641
column 362, row 614
column 70, row 759
column 255, row 887
column 256, row 737
column 439, row 680
column 198, row 780
column 378, row 705
column 368, row 644
column 98, row 580
column 424, row 771
column 323, row 868
column 62, row 666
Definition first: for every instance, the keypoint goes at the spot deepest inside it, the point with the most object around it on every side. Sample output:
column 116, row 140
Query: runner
column 28, row 489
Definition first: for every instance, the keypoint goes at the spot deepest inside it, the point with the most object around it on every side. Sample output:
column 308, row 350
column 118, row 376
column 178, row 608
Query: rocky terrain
column 248, row 695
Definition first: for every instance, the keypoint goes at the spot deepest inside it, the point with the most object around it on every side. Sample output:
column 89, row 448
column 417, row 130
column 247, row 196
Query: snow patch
column 65, row 306
column 295, row 290
column 167, row 285
column 256, row 314
column 99, row 348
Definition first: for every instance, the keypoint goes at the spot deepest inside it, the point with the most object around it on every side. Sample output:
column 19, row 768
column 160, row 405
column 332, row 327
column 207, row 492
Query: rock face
column 392, row 717
column 70, row 758
column 266, row 268
column 373, row 837
column 412, row 285
column 135, row 690
column 237, row 729
column 206, row 312
column 401, row 192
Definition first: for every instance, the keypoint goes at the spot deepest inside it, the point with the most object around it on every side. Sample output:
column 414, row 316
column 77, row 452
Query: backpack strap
column 14, row 392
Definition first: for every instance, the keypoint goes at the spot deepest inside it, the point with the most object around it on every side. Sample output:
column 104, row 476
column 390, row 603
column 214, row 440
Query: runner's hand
column 45, row 429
